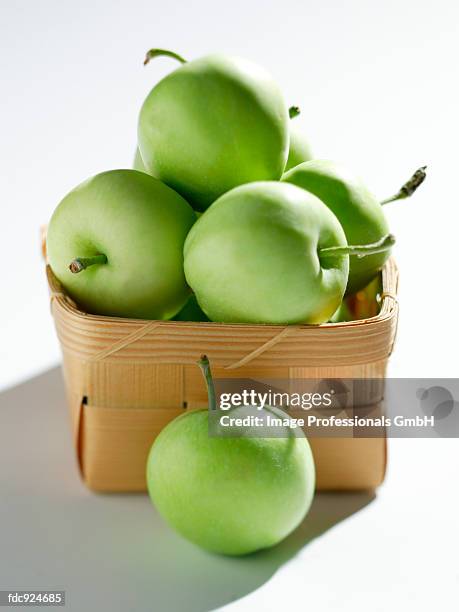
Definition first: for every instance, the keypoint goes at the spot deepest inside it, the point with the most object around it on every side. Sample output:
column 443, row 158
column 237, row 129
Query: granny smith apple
column 342, row 314
column 358, row 210
column 299, row 149
column 138, row 162
column 255, row 256
column 116, row 244
column 229, row 495
column 212, row 124
column 191, row 311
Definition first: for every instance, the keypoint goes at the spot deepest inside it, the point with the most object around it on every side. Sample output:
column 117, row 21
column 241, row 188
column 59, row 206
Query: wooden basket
column 126, row 379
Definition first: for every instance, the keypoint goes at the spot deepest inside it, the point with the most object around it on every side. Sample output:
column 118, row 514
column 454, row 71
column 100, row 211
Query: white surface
column 378, row 89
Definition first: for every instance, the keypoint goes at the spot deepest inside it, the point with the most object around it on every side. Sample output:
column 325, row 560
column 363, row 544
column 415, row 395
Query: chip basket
column 126, row 379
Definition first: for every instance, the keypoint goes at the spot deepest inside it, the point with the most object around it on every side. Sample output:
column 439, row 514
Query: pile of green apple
column 226, row 217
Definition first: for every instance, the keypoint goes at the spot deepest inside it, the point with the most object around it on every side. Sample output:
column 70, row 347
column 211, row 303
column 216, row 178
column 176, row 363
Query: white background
column 377, row 85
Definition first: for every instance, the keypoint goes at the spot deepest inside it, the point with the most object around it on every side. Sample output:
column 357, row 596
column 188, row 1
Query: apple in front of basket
column 229, row 495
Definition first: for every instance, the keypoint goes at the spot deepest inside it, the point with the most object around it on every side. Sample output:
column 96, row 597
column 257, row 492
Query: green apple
column 191, row 311
column 229, row 495
column 255, row 257
column 358, row 210
column 212, row 124
column 342, row 314
column 299, row 149
column 270, row 252
column 138, row 162
column 116, row 244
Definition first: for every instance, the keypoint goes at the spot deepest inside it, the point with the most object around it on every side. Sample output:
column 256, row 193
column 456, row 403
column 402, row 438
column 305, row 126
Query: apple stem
column 409, row 187
column 361, row 250
column 161, row 53
column 81, row 263
column 204, row 364
column 293, row 112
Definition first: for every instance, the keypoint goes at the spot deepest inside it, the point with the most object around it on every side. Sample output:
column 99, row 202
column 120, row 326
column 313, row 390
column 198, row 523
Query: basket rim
column 389, row 306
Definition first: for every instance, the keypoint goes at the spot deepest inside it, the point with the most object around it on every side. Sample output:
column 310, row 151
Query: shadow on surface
column 113, row 552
